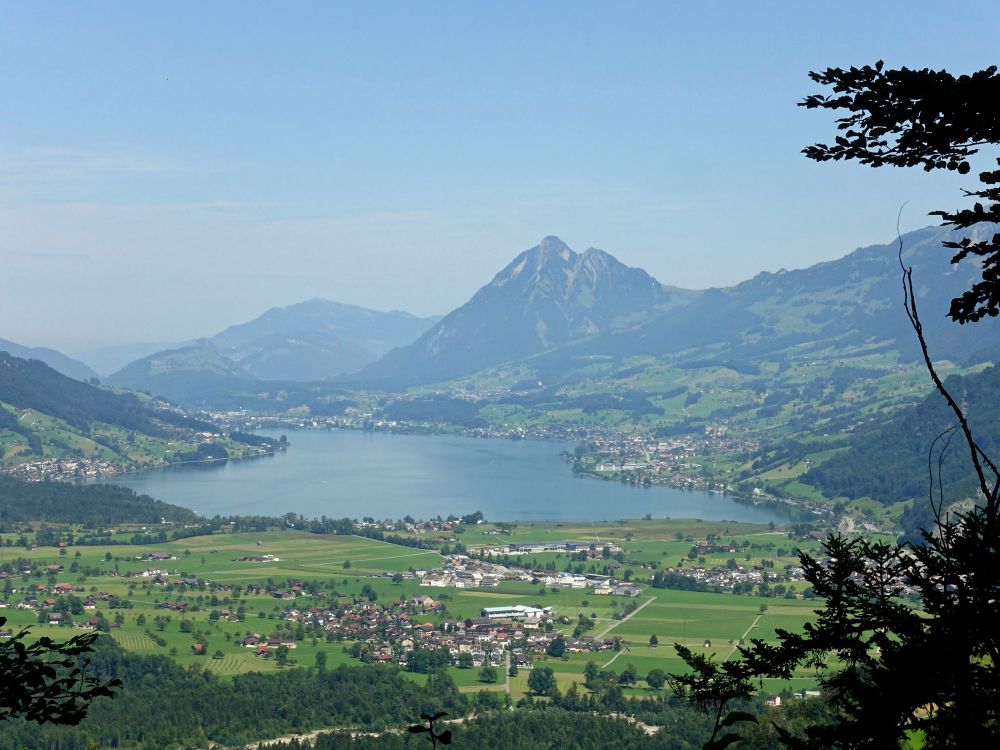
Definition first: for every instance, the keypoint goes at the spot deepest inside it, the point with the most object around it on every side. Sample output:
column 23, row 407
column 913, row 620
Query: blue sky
column 169, row 169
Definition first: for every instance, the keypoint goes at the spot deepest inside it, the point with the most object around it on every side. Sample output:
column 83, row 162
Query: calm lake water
column 359, row 474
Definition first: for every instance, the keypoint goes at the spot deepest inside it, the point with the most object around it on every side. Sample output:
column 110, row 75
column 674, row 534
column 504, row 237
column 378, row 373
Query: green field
column 344, row 565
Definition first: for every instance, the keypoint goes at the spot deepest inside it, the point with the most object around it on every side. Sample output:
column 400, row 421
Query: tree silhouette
column 435, row 737
column 898, row 669
column 45, row 681
column 931, row 119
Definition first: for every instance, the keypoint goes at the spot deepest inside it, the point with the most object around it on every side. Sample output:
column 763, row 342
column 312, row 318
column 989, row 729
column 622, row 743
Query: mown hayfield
column 136, row 641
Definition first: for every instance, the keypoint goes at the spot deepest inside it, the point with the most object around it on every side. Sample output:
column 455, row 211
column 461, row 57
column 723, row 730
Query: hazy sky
column 167, row 169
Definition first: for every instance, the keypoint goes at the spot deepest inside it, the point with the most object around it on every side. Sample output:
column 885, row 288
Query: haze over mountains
column 552, row 311
column 836, row 306
column 72, row 368
column 556, row 312
column 310, row 341
column 316, row 340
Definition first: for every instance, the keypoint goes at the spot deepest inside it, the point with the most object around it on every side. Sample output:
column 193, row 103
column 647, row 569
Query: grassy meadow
column 341, row 566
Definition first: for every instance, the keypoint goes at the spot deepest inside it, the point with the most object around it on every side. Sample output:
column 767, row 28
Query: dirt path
column 736, row 645
column 612, row 659
column 615, row 623
column 506, row 674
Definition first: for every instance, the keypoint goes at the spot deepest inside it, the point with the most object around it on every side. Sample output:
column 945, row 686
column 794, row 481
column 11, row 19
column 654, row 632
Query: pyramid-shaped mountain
column 547, row 296
column 843, row 305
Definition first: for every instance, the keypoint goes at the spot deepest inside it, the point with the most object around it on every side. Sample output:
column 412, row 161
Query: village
column 65, row 469
column 676, row 462
column 402, row 632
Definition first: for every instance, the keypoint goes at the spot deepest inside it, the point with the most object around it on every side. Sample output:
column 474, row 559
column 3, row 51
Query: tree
column 656, row 678
column 653, row 641
column 45, row 681
column 487, row 700
column 629, row 676
column 321, row 660
column 281, row 655
column 898, row 669
column 932, row 119
column 542, row 681
column 557, row 647
column 488, row 674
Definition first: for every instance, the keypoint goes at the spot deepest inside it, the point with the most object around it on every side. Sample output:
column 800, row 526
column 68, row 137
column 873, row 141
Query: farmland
column 215, row 590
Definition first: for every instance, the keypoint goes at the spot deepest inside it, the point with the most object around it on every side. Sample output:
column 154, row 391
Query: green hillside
column 54, row 427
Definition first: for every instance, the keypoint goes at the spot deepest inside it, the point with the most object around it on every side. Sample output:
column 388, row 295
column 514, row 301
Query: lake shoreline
column 338, row 473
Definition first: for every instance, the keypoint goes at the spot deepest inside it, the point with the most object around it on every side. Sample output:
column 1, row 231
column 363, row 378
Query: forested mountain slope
column 889, row 462
column 96, row 506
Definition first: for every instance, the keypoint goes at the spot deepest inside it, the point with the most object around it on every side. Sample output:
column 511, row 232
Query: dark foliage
column 30, row 384
column 258, row 441
column 531, row 727
column 210, row 451
column 97, row 506
column 162, row 705
column 931, row 119
column 46, row 682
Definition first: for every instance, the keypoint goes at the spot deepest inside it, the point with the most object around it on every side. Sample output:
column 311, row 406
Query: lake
column 358, row 474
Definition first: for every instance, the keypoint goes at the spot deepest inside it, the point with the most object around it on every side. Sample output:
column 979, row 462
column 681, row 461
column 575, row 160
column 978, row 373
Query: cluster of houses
column 654, row 461
column 460, row 571
column 64, row 469
column 38, row 600
column 393, row 632
column 727, row 579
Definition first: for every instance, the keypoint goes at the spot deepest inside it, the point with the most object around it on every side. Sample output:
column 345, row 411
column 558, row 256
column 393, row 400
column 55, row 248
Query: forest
column 193, row 708
column 94, row 506
column 902, row 443
column 30, row 384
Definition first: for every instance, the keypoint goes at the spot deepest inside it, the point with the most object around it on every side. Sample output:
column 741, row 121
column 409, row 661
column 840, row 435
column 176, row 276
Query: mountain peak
column 547, row 296
column 552, row 245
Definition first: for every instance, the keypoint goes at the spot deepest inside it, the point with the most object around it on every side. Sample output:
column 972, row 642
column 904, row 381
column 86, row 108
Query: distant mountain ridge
column 193, row 375
column 848, row 302
column 553, row 314
column 89, row 430
column 71, row 368
column 305, row 342
column 317, row 339
column 546, row 297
